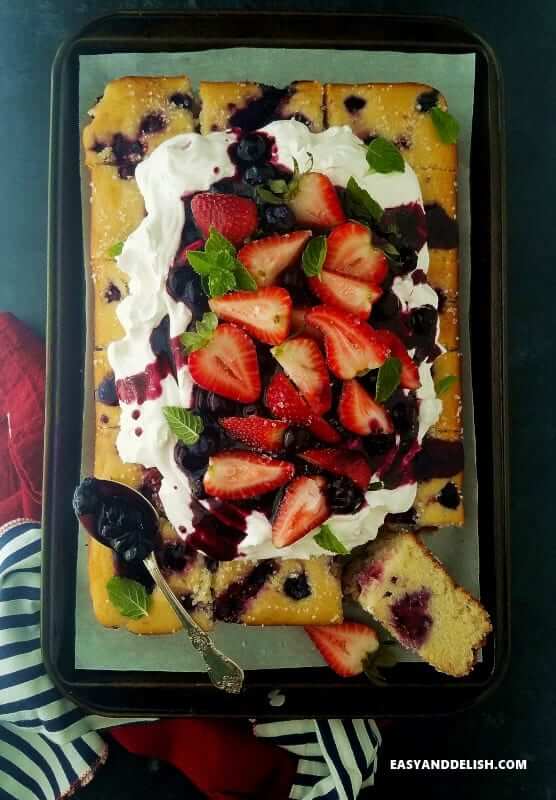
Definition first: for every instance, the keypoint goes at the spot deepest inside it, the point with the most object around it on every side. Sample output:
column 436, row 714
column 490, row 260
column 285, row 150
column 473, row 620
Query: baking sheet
column 454, row 75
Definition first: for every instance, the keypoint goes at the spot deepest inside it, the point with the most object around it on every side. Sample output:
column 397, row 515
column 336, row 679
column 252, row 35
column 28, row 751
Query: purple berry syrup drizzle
column 410, row 618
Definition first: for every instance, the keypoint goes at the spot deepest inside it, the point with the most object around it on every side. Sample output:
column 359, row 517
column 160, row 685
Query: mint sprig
column 360, row 204
column 388, row 379
column 184, row 423
column 279, row 191
column 447, row 126
column 314, row 256
column 442, row 385
column 328, row 540
column 203, row 333
column 385, row 657
column 129, row 597
column 115, row 250
column 383, row 156
column 219, row 268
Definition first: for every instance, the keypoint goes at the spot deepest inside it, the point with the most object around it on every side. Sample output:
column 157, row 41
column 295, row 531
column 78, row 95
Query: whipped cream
column 189, row 163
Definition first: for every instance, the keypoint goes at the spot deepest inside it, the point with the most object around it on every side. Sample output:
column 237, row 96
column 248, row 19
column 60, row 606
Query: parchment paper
column 271, row 648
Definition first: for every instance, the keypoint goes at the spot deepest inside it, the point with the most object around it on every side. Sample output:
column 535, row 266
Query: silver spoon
column 224, row 673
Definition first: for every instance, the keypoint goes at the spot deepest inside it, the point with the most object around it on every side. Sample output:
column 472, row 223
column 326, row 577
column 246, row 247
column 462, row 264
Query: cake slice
column 401, row 583
column 117, row 208
column 253, row 105
column 278, row 592
column 133, row 116
column 110, row 286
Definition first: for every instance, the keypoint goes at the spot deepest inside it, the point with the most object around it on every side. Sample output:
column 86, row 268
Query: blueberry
column 125, row 529
column 369, row 381
column 449, row 496
column 344, row 496
column 403, row 412
column 86, row 497
column 297, row 586
column 106, row 390
column 385, row 308
column 184, row 284
column 377, row 444
column 252, row 410
column 153, row 123
column 126, row 151
column 196, row 456
column 278, row 218
column 297, row 439
column 354, row 103
column 174, row 556
column 423, row 321
column 182, row 100
column 112, row 293
column 252, row 148
column 258, row 173
column 427, row 100
column 212, row 403
column 232, row 186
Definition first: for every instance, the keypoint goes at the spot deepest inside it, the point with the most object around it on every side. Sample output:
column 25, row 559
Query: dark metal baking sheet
column 410, row 689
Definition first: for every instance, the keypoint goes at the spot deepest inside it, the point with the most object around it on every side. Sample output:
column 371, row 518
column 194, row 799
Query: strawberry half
column 237, row 474
column 341, row 462
column 349, row 251
column 350, row 294
column 265, row 314
column 284, row 401
column 359, row 413
column 344, row 647
column 409, row 378
column 256, row 432
column 232, row 216
column 316, row 202
column 266, row 258
column 227, row 365
column 303, row 507
column 351, row 345
column 324, row 431
column 304, row 364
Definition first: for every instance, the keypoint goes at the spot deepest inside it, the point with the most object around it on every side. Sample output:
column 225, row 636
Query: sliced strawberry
column 409, row 378
column 265, row 314
column 256, row 432
column 341, row 462
column 232, row 216
column 237, row 474
column 324, row 431
column 351, row 345
column 349, row 251
column 316, row 202
column 284, row 401
column 304, row 364
column 303, row 507
column 351, row 294
column 344, row 647
column 267, row 258
column 227, row 365
column 359, row 413
column 181, row 258
column 300, row 326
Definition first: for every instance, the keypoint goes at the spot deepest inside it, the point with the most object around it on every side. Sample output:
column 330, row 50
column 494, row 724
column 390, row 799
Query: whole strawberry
column 234, row 217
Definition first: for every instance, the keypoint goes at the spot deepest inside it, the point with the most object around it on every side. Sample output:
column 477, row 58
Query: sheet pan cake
column 276, row 342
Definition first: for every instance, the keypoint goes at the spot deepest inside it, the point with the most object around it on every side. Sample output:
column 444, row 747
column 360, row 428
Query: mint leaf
column 384, row 157
column 220, row 281
column 269, row 197
column 115, row 250
column 447, row 126
column 244, row 279
column 185, row 424
column 326, row 539
column 384, row 657
column 360, row 204
column 278, row 186
column 202, row 263
column 375, row 486
column 129, row 597
column 314, row 256
column 218, row 243
column 443, row 384
column 388, row 379
column 204, row 329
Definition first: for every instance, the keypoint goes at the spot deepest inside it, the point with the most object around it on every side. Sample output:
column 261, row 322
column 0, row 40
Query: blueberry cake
column 276, row 334
column 401, row 583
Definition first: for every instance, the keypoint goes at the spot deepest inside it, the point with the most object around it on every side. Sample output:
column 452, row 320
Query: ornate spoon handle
column 223, row 672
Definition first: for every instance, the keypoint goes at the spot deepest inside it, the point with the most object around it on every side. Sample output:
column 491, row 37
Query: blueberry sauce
column 261, row 110
column 231, row 604
column 411, row 619
column 112, row 293
column 443, row 231
column 438, row 458
column 354, row 103
column 418, row 277
column 219, row 542
column 297, row 586
column 150, row 487
column 182, row 100
column 106, row 390
column 449, row 496
column 427, row 100
column 410, row 223
column 175, row 556
column 153, row 123
column 144, row 385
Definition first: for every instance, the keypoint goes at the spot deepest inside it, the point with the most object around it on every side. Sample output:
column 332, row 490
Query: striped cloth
column 49, row 747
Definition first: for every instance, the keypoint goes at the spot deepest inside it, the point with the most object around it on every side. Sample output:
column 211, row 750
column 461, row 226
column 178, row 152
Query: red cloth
column 223, row 759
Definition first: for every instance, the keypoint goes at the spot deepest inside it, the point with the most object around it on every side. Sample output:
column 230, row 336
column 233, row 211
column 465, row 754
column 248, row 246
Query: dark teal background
column 518, row 720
